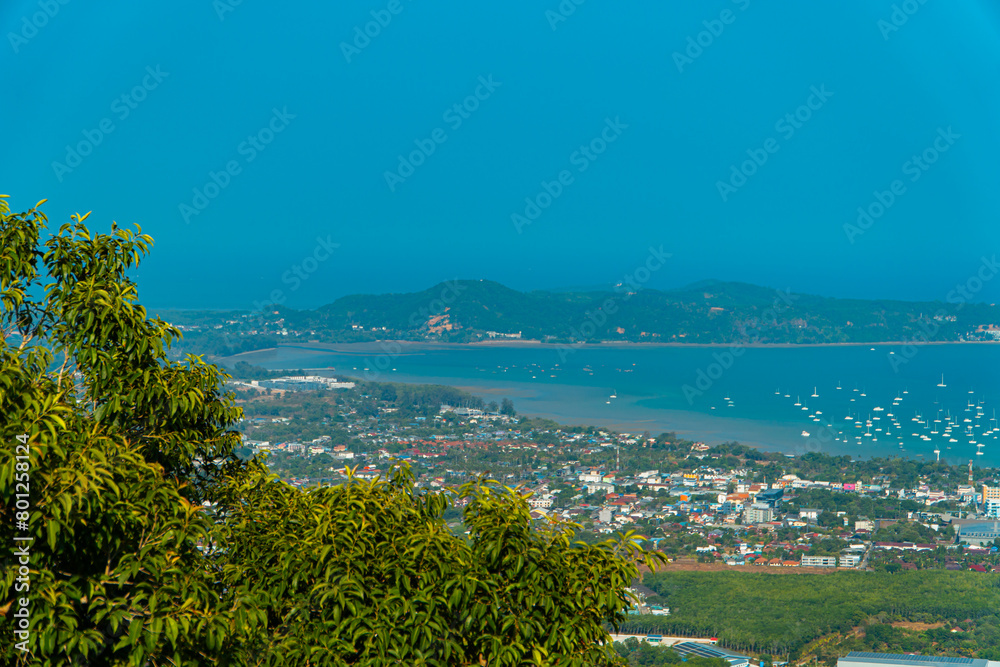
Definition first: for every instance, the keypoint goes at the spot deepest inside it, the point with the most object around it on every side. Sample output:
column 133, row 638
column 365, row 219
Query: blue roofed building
column 710, row 651
column 979, row 534
column 865, row 659
column 771, row 497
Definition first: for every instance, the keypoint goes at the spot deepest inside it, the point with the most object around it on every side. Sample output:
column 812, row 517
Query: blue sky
column 190, row 89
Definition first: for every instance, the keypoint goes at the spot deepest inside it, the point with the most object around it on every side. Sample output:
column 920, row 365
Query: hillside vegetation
column 709, row 312
column 780, row 615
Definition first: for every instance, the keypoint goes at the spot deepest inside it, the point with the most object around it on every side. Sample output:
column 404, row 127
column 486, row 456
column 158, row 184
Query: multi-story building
column 770, row 497
column 966, row 492
column 540, row 502
column 759, row 513
column 991, row 501
column 599, row 487
column 850, row 560
column 864, row 523
column 809, row 514
column 819, row 561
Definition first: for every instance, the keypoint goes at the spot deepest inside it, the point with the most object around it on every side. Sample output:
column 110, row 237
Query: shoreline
column 320, row 347
column 603, row 344
column 240, row 354
column 655, row 403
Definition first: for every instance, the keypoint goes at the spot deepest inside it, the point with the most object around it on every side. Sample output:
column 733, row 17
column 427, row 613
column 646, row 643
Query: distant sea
column 747, row 397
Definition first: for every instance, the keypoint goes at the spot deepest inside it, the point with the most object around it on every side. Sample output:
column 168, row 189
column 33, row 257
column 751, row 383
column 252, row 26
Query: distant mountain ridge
column 705, row 312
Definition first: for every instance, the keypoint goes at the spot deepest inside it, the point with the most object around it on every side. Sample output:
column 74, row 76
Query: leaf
column 134, row 631
column 51, row 529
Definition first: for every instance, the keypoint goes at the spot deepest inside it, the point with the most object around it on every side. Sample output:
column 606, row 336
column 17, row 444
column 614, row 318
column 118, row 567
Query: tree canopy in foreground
column 153, row 544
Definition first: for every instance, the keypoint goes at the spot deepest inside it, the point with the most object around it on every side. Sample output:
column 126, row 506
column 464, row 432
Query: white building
column 819, row 561
column 850, row 560
column 599, row 487
column 991, row 501
column 759, row 513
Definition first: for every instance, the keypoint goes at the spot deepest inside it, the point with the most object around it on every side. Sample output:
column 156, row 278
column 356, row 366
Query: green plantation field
column 769, row 613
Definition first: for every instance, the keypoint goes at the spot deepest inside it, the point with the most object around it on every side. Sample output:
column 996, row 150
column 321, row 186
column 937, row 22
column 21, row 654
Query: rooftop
column 710, row 651
column 862, row 657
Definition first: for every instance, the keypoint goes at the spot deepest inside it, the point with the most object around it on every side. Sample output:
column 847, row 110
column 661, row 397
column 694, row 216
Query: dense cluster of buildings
column 697, row 504
column 293, row 383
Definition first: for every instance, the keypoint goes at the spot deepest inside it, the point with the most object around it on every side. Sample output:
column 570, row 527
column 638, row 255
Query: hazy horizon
column 740, row 137
column 591, row 288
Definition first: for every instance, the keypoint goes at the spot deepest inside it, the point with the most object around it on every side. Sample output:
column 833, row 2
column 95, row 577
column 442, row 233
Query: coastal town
column 559, row 334
column 728, row 506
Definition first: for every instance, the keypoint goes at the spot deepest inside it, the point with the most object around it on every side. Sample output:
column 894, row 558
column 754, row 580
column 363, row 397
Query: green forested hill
column 465, row 311
column 707, row 312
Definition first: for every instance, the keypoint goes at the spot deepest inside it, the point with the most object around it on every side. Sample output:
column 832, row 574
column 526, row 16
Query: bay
column 715, row 394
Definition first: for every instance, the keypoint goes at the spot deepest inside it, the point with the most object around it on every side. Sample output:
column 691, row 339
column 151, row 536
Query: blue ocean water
column 856, row 400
